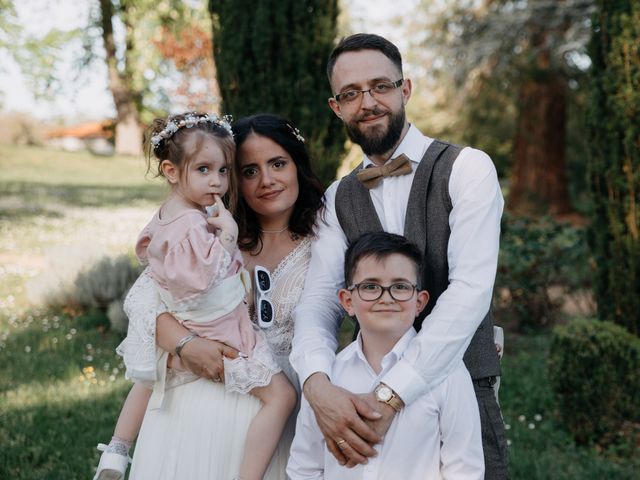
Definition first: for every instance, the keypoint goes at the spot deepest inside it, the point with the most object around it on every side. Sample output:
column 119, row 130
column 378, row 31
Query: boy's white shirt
column 436, row 436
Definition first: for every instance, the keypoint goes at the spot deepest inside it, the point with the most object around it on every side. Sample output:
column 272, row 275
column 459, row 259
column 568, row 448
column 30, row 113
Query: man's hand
column 204, row 357
column 342, row 417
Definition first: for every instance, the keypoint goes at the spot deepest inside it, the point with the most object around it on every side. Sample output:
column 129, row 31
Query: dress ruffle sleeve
column 142, row 244
column 195, row 264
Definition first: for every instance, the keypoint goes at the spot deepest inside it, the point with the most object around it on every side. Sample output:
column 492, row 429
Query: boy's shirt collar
column 389, row 360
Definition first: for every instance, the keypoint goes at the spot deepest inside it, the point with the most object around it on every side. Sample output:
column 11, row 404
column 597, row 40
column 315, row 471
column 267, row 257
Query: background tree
column 37, row 56
column 516, row 62
column 189, row 50
column 614, row 121
column 270, row 57
column 138, row 40
column 126, row 97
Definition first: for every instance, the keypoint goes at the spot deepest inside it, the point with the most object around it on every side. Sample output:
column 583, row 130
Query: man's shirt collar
column 412, row 145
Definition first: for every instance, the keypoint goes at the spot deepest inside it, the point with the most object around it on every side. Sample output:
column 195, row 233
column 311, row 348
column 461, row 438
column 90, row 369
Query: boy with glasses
column 438, row 435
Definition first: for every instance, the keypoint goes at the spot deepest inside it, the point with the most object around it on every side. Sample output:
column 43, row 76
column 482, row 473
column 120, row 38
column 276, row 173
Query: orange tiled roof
column 84, row 130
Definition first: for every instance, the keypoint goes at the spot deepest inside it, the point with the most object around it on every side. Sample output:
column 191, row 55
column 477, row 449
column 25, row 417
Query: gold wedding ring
column 341, row 442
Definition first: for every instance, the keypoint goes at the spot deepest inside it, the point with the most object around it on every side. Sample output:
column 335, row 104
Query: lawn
column 61, row 384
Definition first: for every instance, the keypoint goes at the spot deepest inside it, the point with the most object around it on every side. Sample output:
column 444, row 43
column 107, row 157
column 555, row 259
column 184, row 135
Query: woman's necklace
column 275, row 231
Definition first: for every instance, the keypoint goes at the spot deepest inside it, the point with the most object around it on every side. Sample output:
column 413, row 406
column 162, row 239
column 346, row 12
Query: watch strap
column 394, row 401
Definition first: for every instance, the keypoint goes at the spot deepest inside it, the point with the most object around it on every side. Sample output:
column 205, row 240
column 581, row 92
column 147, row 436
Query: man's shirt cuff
column 314, row 364
column 405, row 381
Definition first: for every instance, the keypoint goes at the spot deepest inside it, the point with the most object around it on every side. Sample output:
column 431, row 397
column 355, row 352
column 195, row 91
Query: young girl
column 198, row 271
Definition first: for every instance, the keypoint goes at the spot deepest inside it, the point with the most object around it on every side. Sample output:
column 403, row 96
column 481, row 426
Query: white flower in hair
column 190, row 120
column 296, row 133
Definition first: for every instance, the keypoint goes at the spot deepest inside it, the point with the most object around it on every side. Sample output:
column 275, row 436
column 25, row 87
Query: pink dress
column 204, row 287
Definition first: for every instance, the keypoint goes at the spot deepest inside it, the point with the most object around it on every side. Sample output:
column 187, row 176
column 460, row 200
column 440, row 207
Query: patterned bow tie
column 372, row 176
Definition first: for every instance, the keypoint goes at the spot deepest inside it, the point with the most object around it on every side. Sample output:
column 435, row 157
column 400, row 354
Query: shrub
column 20, row 129
column 537, row 257
column 118, row 319
column 101, row 287
column 106, row 281
column 55, row 286
column 594, row 370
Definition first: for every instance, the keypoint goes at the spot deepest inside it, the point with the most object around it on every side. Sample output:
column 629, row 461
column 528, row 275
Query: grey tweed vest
column 427, row 225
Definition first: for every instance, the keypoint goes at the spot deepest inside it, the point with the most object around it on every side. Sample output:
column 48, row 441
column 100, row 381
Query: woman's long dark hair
column 310, row 193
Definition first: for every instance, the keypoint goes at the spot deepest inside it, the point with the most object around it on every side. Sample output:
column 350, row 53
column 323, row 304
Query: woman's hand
column 203, row 357
column 342, row 417
column 226, row 225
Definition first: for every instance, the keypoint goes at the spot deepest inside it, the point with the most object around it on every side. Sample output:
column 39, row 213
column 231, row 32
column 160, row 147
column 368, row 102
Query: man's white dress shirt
column 472, row 256
column 437, row 436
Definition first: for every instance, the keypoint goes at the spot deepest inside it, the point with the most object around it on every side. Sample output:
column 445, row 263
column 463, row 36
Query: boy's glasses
column 370, row 292
column 262, row 286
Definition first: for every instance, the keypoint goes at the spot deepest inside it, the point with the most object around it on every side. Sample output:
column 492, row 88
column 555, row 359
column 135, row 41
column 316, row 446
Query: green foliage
column 540, row 449
column 37, row 55
column 614, row 168
column 270, row 57
column 480, row 53
column 537, row 256
column 594, row 370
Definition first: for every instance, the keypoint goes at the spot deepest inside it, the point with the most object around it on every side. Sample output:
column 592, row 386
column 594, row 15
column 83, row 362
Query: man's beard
column 376, row 142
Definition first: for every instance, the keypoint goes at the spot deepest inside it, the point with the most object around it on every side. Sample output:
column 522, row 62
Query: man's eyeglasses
column 370, row 292
column 379, row 89
column 263, row 306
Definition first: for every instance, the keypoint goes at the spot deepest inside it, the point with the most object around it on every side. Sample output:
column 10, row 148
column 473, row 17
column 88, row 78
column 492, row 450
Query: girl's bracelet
column 183, row 341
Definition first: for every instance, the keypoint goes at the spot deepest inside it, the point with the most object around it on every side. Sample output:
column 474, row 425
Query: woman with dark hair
column 200, row 428
column 276, row 211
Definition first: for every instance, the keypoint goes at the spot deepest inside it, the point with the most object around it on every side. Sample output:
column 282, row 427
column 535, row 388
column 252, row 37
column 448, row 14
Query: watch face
column 384, row 393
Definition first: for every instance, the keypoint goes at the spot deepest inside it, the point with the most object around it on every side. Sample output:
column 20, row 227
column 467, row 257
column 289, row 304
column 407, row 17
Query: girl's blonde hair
column 165, row 139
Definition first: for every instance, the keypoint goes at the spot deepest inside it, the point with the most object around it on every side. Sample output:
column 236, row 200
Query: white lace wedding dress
column 199, row 431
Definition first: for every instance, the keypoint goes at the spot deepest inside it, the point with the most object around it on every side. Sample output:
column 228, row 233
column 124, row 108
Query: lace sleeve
column 142, row 305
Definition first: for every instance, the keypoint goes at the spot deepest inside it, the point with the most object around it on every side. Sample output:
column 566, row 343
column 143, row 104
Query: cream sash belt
column 218, row 301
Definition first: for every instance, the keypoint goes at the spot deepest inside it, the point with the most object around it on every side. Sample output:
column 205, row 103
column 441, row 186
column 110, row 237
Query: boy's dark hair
column 380, row 245
column 364, row 41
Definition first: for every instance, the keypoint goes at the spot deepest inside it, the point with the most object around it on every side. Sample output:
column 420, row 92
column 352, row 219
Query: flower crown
column 190, row 120
column 296, row 133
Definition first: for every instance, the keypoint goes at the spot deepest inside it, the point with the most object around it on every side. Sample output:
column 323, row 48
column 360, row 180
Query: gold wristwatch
column 384, row 394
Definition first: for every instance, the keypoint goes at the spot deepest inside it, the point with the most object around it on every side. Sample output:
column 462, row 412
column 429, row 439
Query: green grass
column 62, row 385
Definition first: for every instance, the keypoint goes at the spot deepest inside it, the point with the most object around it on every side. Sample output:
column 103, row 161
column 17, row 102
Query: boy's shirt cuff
column 405, row 380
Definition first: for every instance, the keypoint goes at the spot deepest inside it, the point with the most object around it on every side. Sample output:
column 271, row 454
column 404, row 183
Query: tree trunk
column 128, row 129
column 538, row 179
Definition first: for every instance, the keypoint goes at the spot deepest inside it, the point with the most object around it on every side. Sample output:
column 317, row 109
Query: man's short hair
column 364, row 41
column 380, row 245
